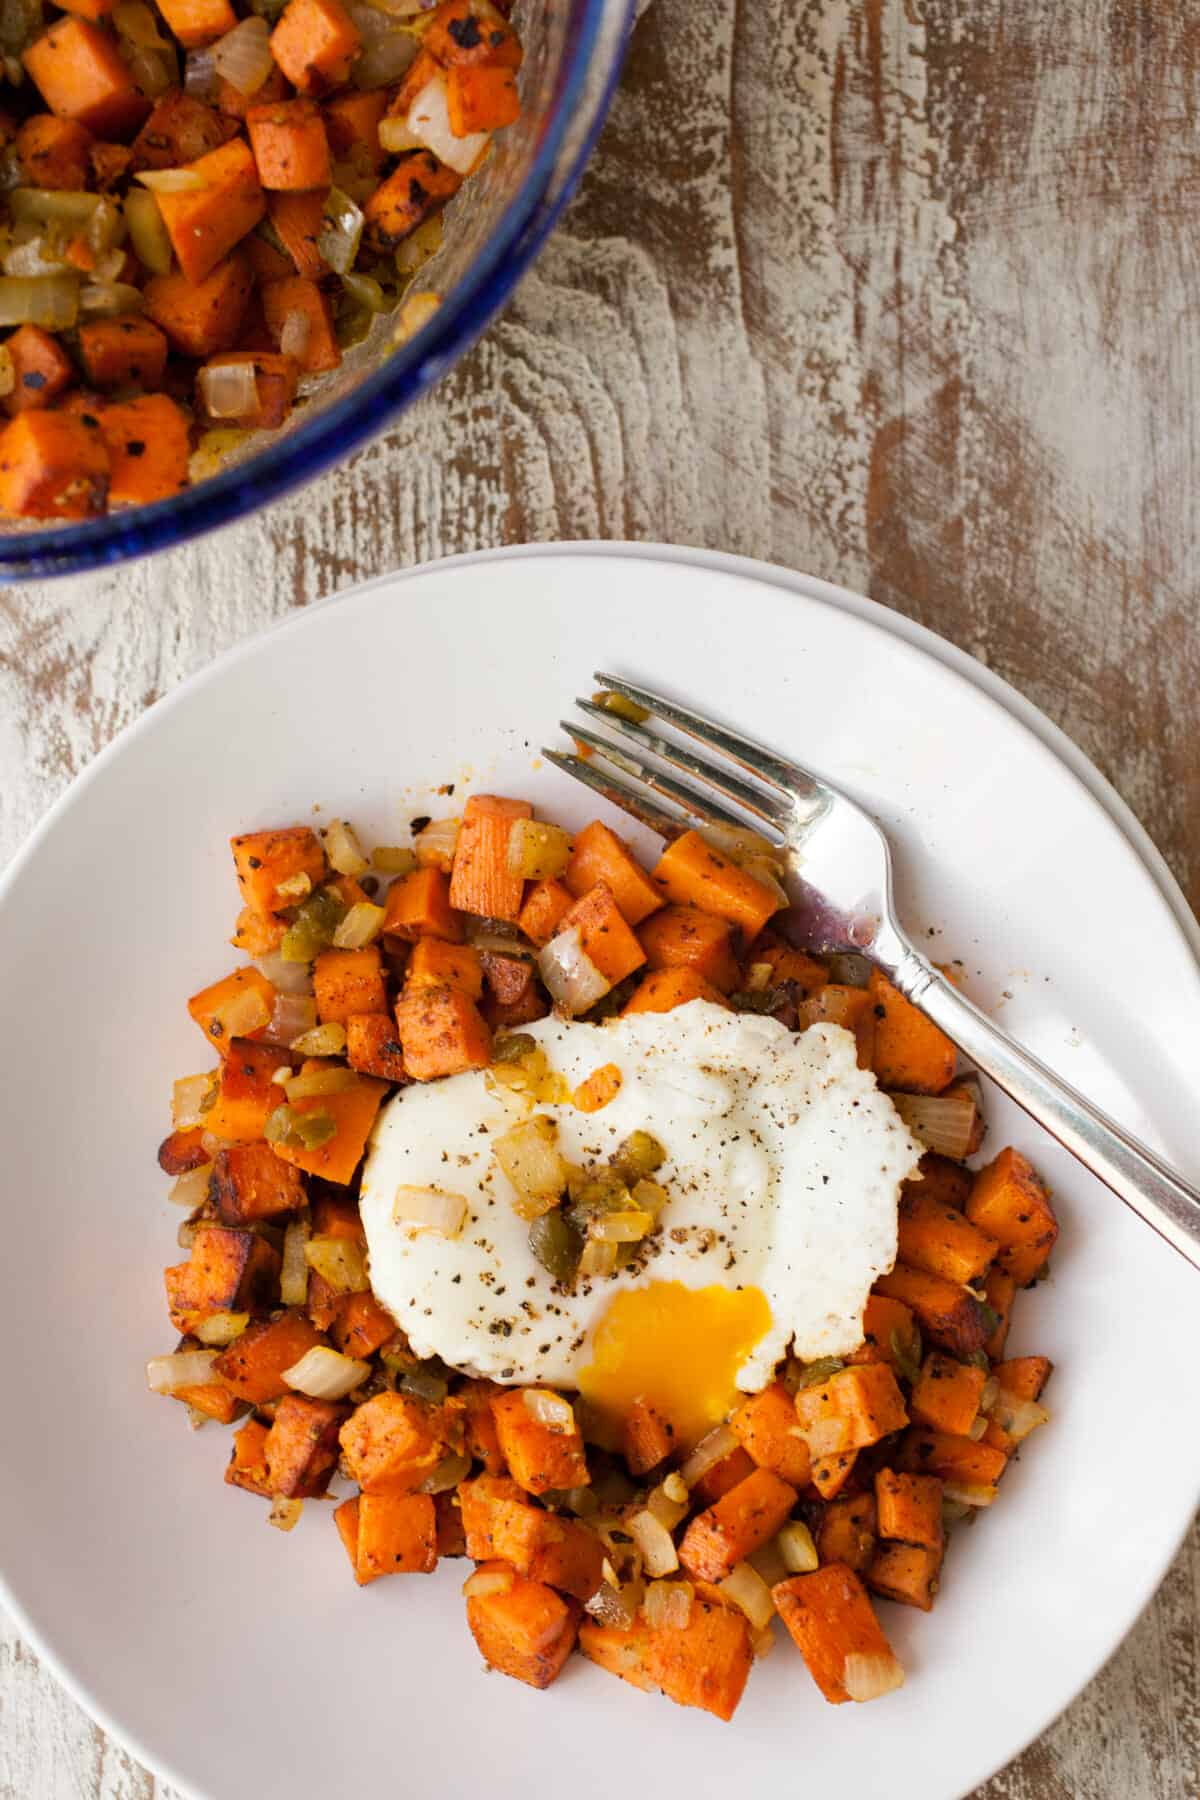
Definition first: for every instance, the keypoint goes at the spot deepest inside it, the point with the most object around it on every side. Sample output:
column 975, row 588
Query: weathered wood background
column 900, row 292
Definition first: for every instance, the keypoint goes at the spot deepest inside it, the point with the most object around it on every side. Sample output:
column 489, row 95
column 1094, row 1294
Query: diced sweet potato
column 851, row 1410
column 435, row 963
column 546, row 906
column 418, row 185
column 352, row 125
column 298, row 220
column 314, row 44
column 849, row 1007
column 957, row 1460
column 52, row 466
column 480, row 882
column 803, row 972
column 392, row 1442
column 1011, row 1203
column 181, row 1151
column 338, row 1216
column 513, row 995
column 213, row 1399
column 483, row 1442
column 946, row 1394
column 685, row 937
column 258, row 934
column 481, row 99
column 538, row 1456
column 937, row 1238
column 889, row 1333
column 397, row 1535
column 723, row 1475
column 692, row 872
column 1024, row 1376
column 740, row 1523
column 201, row 317
column 948, row 1315
column 301, row 1446
column 198, row 22
column 349, row 981
column 353, row 1113
column 297, row 294
column 373, row 1046
column 249, row 1182
column 253, row 1366
column 322, row 1303
column 1000, row 1290
column 604, row 936
column 450, row 1538
column 148, row 446
column 247, row 1467
column 833, row 1624
column 264, row 859
column 938, row 1178
column 246, row 1094
column 526, row 1631
column 831, row 1473
column 665, row 989
column 598, row 854
column 345, row 1517
column 911, row 1053
column 905, row 1572
column 207, row 1006
column 290, row 146
column 81, row 75
column 120, row 351
column 499, row 1521
column 227, row 1271
column 909, row 1508
column 42, row 370
column 766, row 1425
column 846, row 1533
column 647, row 1439
column 362, row 1325
column 442, row 1032
column 180, row 130
column 275, row 379
column 54, row 153
column 205, row 223
column 705, row 1664
column 418, row 905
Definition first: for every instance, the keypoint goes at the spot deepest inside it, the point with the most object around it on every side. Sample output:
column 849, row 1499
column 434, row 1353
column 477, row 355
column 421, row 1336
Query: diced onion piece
column 759, row 976
column 293, row 1273
column 340, row 1262
column 655, row 1543
column 51, row 301
column 171, row 181
column 222, row 1328
column 186, row 1368
column 768, row 1562
column 288, row 977
column 341, row 233
column 387, row 53
column 200, row 78
column 344, row 850
column 243, row 56
column 185, row 1237
column 622, row 1227
column 946, row 1123
column 322, row 1040
column 550, row 1410
column 230, row 391
column 325, row 1374
column 63, row 209
column 393, row 859
column 449, row 1472
column 414, row 251
column 598, row 1259
column 109, row 300
column 762, row 1643
column 292, row 1016
column 361, row 926
column 570, row 974
column 488, row 1581
column 153, row 71
column 669, row 1508
column 139, row 24
column 429, row 1209
column 742, row 845
column 610, row 1604
column 395, row 137
column 870, row 1677
column 1016, row 1416
column 335, row 1079
column 429, row 121
column 537, row 852
column 825, row 1437
column 294, row 333
column 977, row 1427
column 711, row 1449
column 969, row 1494
column 190, row 1100
column 245, row 1011
column 989, row 1395
column 436, row 844
column 213, row 450
column 530, row 1158
column 285, row 1514
column 796, row 1547
column 35, row 257
column 747, row 1590
column 668, row 1605
column 191, row 1188
column 414, row 316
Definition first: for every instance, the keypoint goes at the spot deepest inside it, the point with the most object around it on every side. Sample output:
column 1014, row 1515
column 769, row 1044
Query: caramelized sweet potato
column 294, row 294
column 684, row 937
column 314, row 44
column 247, row 1467
column 831, row 1473
column 647, row 1439
column 705, row 1664
column 546, row 906
column 483, row 1442
column 846, row 1533
column 851, row 1410
column 290, row 146
column 889, row 1333
column 909, row 1508
column 910, row 1051
column 834, row 1627
column 249, row 1182
column 949, row 1316
column 435, row 963
column 905, row 1572
column 392, row 1442
column 953, row 1459
column 181, row 1151
column 180, row 130
column 765, row 1425
column 538, row 1456
column 353, row 1113
column 264, row 859
column 937, row 1238
column 361, row 1326
column 472, row 34
column 42, row 370
column 396, row 1535
column 691, row 872
column 205, row 223
column 499, row 1521
column 1000, row 1290
column 373, row 1046
column 480, row 882
column 349, row 981
column 1011, row 1203
column 946, row 1394
column 442, row 1032
column 81, row 75
column 246, row 1094
column 208, row 1006
column 52, row 466
column 525, row 1630
column 227, row 1271
column 301, row 1446
column 665, row 989
column 740, row 1522
column 53, row 153
column 418, row 905
column 598, row 854
column 418, row 185
column 201, row 317
column 717, row 1480
column 253, row 1366
column 938, row 1178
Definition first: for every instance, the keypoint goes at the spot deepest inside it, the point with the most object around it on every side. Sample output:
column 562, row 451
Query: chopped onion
column 185, row 1237
column 328, row 1039
column 200, row 78
column 485, row 1582
column 870, row 1677
column 171, row 181
column 400, row 9
column 530, row 1158
column 950, row 1124
column 147, row 233
column 51, row 301
column 191, row 1188
column 245, row 1011
column 243, row 56
column 762, row 1643
column 340, row 1262
column 109, row 299
column 711, row 1450
column 570, row 974
column 361, row 926
column 668, row 1605
column 414, row 316
column 138, row 24
column 325, row 1374
column 384, row 59
column 622, row 1227
column 190, row 1100
column 187, row 1368
column 429, row 1209
column 969, row 1493
column 429, row 121
column 1016, row 1416
column 295, row 333
column 229, row 390
column 393, row 859
column 668, row 1505
column 287, row 977
column 537, row 852
column 153, row 71
column 614, row 1603
column 768, row 1562
column 414, row 251
column 285, row 1514
column 292, row 1017
column 395, row 137
column 449, row 1472
column 222, row 1328
column 742, row 845
column 293, row 1273
column 655, row 1543
column 344, row 850
column 550, row 1410
column 436, row 844
column 314, row 1083
column 747, row 1590
column 796, row 1547
column 598, row 1259
column 63, row 209
column 341, row 230
column 34, row 257
column 366, row 292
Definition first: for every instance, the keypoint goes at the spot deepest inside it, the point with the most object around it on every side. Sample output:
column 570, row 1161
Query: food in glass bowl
column 560, row 1214
column 202, row 211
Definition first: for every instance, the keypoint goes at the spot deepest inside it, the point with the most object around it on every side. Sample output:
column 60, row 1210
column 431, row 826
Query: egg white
column 784, row 1167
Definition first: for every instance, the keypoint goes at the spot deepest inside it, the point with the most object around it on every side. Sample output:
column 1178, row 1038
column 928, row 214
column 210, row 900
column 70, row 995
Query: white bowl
column 240, row 1662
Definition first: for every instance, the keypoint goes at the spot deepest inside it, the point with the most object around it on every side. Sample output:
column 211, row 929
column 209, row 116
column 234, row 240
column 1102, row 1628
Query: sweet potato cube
column 622, row 1652
column 417, row 187
column 345, row 1517
column 957, row 1460
column 765, row 1425
column 442, row 1032
column 938, row 1178
column 909, row 1508
column 480, row 881
column 338, row 1216
column 283, row 299
column 52, row 466
column 846, row 1533
column 373, row 1046
column 740, row 1523
column 201, row 317
column 314, row 44
column 546, row 906
column 568, row 1557
column 853, row 1409
column 889, row 1333
column 125, row 350
column 253, row 1366
column 42, row 370
column 905, row 1572
column 290, row 146
column 665, row 989
column 499, row 1521
column 349, row 981
column 264, row 859
column 418, row 905
column 833, row 1624
column 227, row 1271
column 205, row 1006
column 1024, row 1376
column 527, row 1631
column 692, row 872
column 246, row 1094
column 598, row 854
column 397, row 1535
column 54, row 153
column 148, row 447
column 848, row 1007
column 483, row 1441
column 706, row 1664
column 911, row 1053
column 948, row 1315
column 683, row 937
column 198, row 22
column 538, row 1455
column 353, row 1113
column 831, row 1473
column 1011, row 1203
column 1000, row 1290
column 362, row 1325
column 249, row 1182
column 352, row 125
column 717, row 1480
column 946, row 1394
column 247, row 1467
column 472, row 34
column 180, row 130
column 937, row 1238
column 301, row 1447
column 481, row 99
column 213, row 1399
column 435, row 963
column 205, row 223
column 793, row 966
column 647, row 1439
column 392, row 1442
column 181, row 1151
column 81, row 75
column 604, row 935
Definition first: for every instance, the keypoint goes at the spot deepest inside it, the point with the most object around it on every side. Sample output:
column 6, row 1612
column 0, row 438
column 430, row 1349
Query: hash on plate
column 570, row 1220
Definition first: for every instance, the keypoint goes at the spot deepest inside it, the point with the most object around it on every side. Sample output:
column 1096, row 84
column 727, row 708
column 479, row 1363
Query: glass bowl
column 494, row 227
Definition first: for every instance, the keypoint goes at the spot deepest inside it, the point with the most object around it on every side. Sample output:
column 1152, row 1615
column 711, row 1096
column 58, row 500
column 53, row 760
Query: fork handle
column 1156, row 1193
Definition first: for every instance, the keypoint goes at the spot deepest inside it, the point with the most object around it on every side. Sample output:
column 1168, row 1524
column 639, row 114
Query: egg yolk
column 678, row 1348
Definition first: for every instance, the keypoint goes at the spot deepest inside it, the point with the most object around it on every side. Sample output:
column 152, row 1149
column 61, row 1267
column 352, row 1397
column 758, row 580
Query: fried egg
column 784, row 1163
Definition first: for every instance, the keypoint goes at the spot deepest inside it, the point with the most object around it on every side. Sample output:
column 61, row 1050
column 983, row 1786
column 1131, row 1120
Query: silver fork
column 839, row 880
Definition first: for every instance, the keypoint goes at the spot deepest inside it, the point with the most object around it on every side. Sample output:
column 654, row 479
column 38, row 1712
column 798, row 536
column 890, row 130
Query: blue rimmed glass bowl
column 494, row 228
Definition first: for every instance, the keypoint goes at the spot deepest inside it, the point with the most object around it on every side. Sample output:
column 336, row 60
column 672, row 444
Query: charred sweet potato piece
column 957, row 1460
column 740, row 1523
column 498, row 1521
column 909, row 1508
column 353, row 1113
column 765, row 1425
column 213, row 1399
column 301, row 1447
column 246, row 1093
column 209, row 1005
column 264, row 859
column 717, row 1480
column 417, row 186
column 946, row 1394
column 905, row 1572
column 252, row 1367
column 665, row 989
column 704, row 1664
column 846, row 1533
column 250, row 1182
column 538, row 1456
column 936, row 1237
column 392, row 1442
column 938, row 1178
column 228, row 1271
column 1011, row 1202
column 948, row 1315
column 834, row 1627
column 373, row 1046
column 911, row 1053
column 525, row 1630
column 361, row 1325
column 435, row 963
column 831, row 1473
column 181, row 1151
column 442, row 1032
column 42, row 370
column 247, row 1467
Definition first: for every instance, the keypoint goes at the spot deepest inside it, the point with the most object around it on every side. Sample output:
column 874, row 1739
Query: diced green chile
column 557, row 1245
column 317, row 918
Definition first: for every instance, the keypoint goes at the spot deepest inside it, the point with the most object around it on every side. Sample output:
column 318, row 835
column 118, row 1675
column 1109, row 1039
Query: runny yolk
column 677, row 1347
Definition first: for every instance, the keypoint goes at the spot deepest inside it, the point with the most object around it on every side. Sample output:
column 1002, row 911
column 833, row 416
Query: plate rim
column 1021, row 710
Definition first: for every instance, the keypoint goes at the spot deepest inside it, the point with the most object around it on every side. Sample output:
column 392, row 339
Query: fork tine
column 695, row 805
column 619, row 794
column 731, row 787
column 691, row 797
column 756, row 759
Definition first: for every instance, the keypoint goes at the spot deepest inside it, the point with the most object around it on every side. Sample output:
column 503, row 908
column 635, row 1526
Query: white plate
column 240, row 1662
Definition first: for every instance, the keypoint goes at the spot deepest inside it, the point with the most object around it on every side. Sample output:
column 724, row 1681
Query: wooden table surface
column 898, row 292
